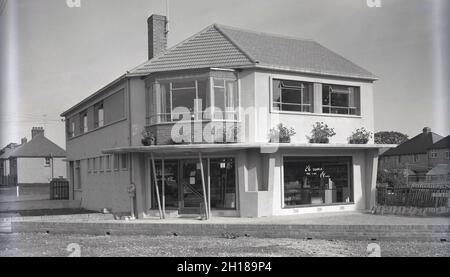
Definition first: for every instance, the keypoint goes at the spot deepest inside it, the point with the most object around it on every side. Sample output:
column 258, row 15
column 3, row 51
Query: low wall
column 350, row 232
column 39, row 205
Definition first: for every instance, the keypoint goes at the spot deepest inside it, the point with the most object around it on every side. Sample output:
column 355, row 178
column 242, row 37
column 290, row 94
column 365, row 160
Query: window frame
column 344, row 92
column 99, row 106
column 301, row 90
column 84, row 122
column 116, row 162
column 433, row 154
column 122, row 157
column 351, row 181
column 198, row 114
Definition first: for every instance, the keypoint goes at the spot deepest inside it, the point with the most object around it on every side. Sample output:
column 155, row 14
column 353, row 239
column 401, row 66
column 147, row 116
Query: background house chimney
column 37, row 131
column 426, row 130
column 157, row 35
column 24, row 140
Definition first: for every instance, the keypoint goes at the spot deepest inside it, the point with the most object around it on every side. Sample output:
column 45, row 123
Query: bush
column 281, row 134
column 392, row 178
column 321, row 133
column 360, row 136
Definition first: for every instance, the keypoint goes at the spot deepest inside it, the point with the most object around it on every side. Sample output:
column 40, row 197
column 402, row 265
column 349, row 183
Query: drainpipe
column 133, row 198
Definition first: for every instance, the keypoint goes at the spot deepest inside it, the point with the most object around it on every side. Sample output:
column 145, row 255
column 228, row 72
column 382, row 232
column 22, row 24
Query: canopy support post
column 161, row 214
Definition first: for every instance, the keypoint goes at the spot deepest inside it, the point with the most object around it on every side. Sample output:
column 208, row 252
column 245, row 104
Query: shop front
column 181, row 187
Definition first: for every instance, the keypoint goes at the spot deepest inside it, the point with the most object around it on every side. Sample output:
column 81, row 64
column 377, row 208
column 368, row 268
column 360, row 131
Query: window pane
column 291, row 96
column 219, row 83
column 219, row 102
column 340, row 99
column 326, row 95
column 184, row 98
column 124, row 161
column 223, row 184
column 292, row 108
column 180, row 85
column 317, row 181
column 276, row 94
column 203, row 95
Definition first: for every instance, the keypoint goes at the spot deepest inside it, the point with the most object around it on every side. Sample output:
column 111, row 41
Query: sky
column 52, row 56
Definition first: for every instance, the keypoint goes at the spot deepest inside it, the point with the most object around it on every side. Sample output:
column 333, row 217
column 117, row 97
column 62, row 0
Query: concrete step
column 5, row 227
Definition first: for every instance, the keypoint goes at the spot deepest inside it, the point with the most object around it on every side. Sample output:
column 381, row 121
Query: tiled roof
column 5, row 153
column 417, row 145
column 223, row 46
column 39, row 146
column 442, row 144
column 209, row 48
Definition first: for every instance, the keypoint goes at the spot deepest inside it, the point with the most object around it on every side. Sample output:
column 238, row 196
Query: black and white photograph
column 218, row 129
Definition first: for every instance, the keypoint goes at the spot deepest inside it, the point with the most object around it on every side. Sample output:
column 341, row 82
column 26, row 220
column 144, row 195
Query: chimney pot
column 37, row 131
column 24, row 140
column 427, row 130
column 157, row 35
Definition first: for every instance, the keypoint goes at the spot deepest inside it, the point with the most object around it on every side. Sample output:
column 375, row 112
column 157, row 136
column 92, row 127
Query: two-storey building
column 206, row 107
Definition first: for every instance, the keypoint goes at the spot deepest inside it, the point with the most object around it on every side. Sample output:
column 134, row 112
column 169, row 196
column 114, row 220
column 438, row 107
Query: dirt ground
column 32, row 245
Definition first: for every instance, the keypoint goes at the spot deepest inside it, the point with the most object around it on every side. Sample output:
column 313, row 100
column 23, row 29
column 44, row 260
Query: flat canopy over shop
column 264, row 147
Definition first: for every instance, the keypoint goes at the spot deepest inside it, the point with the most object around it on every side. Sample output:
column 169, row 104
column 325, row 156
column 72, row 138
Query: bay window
column 292, row 96
column 341, row 100
column 172, row 101
column 225, row 99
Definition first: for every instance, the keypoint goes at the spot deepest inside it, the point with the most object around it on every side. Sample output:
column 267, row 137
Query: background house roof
column 417, row 145
column 223, row 46
column 5, row 153
column 442, row 144
column 39, row 146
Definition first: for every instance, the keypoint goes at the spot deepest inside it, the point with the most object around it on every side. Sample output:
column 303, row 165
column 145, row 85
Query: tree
column 390, row 138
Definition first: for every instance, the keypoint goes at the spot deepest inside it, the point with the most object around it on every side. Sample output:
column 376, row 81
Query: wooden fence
column 414, row 195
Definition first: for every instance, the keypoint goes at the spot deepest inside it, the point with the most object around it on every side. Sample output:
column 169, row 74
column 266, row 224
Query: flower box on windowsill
column 359, row 141
column 320, row 140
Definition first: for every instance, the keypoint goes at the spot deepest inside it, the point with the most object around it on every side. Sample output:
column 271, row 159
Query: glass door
column 191, row 186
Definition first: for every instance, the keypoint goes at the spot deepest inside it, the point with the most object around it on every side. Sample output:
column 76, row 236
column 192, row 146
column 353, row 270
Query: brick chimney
column 37, row 131
column 24, row 140
column 157, row 35
column 426, row 130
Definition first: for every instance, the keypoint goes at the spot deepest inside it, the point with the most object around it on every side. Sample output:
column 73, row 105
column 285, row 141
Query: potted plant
column 148, row 138
column 281, row 134
column 232, row 135
column 360, row 136
column 321, row 133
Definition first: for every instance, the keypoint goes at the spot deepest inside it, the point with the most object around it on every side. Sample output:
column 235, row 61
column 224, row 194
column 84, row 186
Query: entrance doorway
column 180, row 184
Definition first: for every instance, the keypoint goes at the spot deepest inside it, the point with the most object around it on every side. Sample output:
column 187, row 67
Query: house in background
column 439, row 153
column 34, row 162
column 255, row 81
column 412, row 155
column 4, row 162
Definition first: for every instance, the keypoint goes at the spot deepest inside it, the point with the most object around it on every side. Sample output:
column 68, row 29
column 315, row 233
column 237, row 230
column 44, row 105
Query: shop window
column 310, row 181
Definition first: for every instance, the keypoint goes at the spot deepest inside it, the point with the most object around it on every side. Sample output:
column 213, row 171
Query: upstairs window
column 225, row 99
column 416, row 158
column 84, row 122
column 447, row 155
column 292, row 96
column 193, row 99
column 99, row 115
column 341, row 100
column 433, row 154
